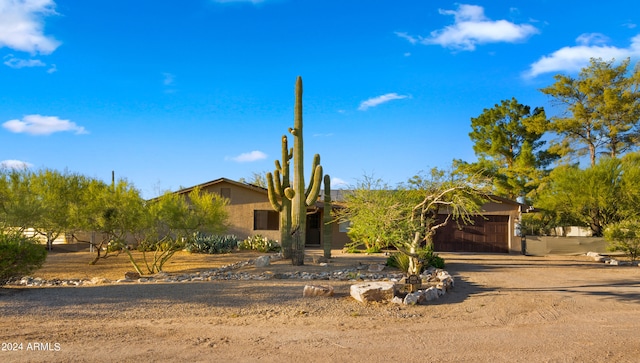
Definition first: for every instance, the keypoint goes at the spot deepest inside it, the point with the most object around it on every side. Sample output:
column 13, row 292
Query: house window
column 225, row 192
column 267, row 220
column 344, row 227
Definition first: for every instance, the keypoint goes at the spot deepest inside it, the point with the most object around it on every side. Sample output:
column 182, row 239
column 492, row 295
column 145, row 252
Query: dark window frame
column 266, row 220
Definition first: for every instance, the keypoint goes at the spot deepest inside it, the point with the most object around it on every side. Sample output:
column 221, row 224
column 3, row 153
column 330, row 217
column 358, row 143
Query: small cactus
column 327, row 220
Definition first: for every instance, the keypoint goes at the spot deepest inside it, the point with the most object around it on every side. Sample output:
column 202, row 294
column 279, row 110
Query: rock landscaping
column 227, row 272
column 374, row 284
column 609, row 260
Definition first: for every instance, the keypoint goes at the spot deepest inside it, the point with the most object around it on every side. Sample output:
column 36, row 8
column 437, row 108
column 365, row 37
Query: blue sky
column 172, row 94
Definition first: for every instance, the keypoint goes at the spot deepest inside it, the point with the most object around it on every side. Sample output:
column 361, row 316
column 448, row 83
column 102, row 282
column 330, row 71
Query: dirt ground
column 503, row 309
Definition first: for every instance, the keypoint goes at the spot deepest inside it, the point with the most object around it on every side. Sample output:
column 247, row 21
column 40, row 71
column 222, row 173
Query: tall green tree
column 372, row 212
column 113, row 211
column 508, row 143
column 601, row 110
column 18, row 202
column 57, row 196
column 593, row 197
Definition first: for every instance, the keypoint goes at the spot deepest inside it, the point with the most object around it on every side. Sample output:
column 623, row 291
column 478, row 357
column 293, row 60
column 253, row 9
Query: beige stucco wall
column 243, row 203
column 547, row 245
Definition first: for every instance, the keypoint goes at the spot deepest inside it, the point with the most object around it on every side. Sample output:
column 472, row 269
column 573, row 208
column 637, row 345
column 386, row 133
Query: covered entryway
column 488, row 234
column 314, row 223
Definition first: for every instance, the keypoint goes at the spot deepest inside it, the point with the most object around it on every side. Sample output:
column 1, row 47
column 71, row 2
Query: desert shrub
column 212, row 244
column 430, row 258
column 19, row 256
column 624, row 236
column 398, row 260
column 259, row 243
column 426, row 257
column 358, row 248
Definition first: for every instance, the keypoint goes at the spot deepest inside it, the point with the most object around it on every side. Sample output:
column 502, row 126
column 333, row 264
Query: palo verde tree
column 114, row 212
column 372, row 210
column 300, row 195
column 593, row 197
column 601, row 110
column 171, row 220
column 624, row 236
column 44, row 201
column 58, row 195
column 409, row 216
column 507, row 141
column 19, row 206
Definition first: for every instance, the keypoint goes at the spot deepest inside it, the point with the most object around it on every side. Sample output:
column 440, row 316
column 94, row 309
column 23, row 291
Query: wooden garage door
column 486, row 234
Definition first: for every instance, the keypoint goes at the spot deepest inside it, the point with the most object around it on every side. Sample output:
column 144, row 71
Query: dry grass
column 72, row 262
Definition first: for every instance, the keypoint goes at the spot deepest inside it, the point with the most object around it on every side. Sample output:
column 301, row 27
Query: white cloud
column 573, row 59
column 22, row 63
column 411, row 39
column 592, row 39
column 42, row 125
column 471, row 27
column 21, row 25
column 337, row 182
column 248, row 157
column 14, row 164
column 376, row 101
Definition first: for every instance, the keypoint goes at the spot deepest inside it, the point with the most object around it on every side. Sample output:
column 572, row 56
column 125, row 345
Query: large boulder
column 373, row 291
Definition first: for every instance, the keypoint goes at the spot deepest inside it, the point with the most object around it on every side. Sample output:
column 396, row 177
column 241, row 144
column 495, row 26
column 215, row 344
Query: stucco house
column 495, row 231
column 250, row 213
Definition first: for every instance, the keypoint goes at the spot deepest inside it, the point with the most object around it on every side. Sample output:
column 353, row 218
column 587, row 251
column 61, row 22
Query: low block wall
column 547, row 245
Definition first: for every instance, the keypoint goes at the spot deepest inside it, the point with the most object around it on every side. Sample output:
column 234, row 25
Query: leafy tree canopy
column 508, row 142
column 601, row 111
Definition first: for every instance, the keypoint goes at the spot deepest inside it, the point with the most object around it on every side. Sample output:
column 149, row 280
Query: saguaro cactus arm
column 314, row 187
column 272, row 191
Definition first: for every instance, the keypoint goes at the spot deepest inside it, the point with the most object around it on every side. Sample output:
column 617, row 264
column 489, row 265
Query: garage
column 487, row 234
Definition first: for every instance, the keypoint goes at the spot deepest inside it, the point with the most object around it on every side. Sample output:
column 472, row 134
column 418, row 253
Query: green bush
column 426, row 256
column 624, row 236
column 19, row 256
column 430, row 258
column 398, row 260
column 212, row 244
column 259, row 243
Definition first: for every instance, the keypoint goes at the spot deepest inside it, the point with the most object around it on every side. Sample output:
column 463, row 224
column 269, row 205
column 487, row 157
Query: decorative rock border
column 435, row 283
column 222, row 273
column 610, row 261
column 375, row 285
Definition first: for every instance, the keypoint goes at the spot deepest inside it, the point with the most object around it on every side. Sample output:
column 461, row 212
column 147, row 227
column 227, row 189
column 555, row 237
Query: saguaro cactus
column 327, row 220
column 277, row 183
column 294, row 197
column 301, row 198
